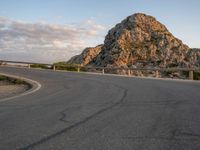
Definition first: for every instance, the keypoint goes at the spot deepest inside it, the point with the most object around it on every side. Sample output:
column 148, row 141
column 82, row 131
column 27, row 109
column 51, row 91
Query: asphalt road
column 91, row 112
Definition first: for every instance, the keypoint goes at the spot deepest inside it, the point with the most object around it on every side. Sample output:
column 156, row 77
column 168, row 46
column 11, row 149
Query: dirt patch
column 10, row 87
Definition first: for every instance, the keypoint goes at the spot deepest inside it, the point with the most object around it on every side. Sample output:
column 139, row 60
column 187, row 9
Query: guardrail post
column 191, row 75
column 54, row 68
column 157, row 74
column 78, row 69
column 103, row 71
column 129, row 72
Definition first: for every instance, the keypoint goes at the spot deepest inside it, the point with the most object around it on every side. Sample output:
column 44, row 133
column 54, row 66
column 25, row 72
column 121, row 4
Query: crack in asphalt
column 62, row 118
column 31, row 146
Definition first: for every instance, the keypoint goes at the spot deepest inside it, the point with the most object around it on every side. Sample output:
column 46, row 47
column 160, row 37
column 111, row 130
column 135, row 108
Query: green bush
column 11, row 80
column 2, row 78
column 17, row 81
column 66, row 67
column 41, row 66
column 167, row 73
column 196, row 75
column 186, row 74
column 60, row 63
column 83, row 70
column 173, row 65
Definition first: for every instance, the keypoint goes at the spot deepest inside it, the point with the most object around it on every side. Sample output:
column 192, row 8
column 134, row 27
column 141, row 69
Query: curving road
column 75, row 111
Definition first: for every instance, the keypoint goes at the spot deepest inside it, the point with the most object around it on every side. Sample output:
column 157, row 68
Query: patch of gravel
column 8, row 89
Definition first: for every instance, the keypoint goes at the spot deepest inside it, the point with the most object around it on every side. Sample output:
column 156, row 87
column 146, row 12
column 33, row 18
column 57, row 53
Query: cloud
column 94, row 27
column 44, row 42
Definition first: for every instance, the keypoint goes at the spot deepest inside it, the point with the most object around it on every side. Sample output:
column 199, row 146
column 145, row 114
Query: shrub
column 17, row 81
column 66, row 67
column 196, row 75
column 12, row 80
column 2, row 78
column 42, row 66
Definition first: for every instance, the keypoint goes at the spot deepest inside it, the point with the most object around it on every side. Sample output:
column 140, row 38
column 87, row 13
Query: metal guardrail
column 21, row 62
column 102, row 70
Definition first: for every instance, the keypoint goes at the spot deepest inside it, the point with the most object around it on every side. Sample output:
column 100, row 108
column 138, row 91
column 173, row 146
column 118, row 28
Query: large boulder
column 139, row 41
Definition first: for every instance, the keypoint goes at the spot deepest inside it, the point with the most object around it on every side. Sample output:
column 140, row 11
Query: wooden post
column 141, row 74
column 54, row 68
column 191, row 75
column 157, row 74
column 103, row 71
column 29, row 66
column 129, row 72
column 78, row 69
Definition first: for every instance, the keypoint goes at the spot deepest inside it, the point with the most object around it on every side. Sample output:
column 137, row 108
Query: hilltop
column 139, row 41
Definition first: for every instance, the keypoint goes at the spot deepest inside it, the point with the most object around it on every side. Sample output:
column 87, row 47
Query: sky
column 48, row 31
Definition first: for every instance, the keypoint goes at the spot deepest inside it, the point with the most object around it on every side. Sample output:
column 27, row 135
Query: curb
column 35, row 86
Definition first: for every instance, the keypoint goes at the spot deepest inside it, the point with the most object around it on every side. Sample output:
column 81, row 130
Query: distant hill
column 139, row 41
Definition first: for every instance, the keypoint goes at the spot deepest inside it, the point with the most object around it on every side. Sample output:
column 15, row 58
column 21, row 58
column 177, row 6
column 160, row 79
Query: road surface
column 75, row 111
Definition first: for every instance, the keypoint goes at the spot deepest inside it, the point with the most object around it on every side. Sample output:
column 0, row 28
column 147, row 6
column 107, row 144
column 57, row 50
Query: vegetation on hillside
column 196, row 75
column 2, row 78
column 65, row 66
column 41, row 66
column 12, row 80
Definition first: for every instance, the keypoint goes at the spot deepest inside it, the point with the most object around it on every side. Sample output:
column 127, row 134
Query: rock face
column 194, row 57
column 139, row 41
column 87, row 56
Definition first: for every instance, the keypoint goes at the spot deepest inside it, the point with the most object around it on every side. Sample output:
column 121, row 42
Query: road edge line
column 36, row 86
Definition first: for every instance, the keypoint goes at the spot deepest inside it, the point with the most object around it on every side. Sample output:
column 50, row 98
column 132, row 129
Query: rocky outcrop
column 139, row 41
column 193, row 57
column 86, row 56
column 142, row 41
